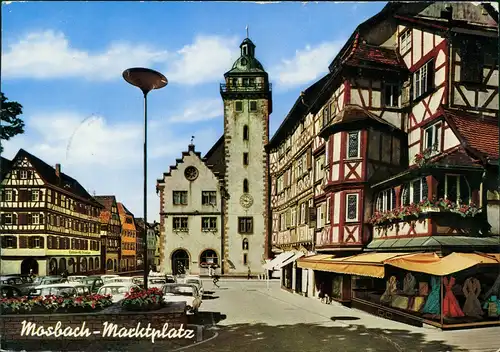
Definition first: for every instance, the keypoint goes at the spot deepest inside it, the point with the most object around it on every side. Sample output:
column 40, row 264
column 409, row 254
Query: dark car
column 8, row 291
column 23, row 284
column 94, row 283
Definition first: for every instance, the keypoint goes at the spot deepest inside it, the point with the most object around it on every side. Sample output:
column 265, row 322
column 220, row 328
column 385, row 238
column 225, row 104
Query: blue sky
column 63, row 62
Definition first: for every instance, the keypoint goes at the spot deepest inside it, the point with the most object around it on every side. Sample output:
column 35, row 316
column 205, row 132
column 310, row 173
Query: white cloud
column 49, row 54
column 207, row 59
column 307, row 64
column 106, row 157
column 200, row 110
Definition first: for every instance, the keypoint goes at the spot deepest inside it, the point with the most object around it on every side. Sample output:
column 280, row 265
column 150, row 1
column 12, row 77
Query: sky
column 63, row 61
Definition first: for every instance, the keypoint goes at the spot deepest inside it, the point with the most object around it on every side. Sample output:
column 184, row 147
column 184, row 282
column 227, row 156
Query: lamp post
column 146, row 80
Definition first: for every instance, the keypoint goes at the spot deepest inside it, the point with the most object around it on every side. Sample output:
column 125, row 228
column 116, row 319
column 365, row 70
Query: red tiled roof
column 365, row 53
column 478, row 132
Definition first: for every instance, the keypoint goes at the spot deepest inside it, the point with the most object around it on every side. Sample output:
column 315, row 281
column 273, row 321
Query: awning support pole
column 267, row 279
column 442, row 301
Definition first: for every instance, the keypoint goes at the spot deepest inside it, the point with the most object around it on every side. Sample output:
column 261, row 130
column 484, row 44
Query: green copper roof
column 247, row 63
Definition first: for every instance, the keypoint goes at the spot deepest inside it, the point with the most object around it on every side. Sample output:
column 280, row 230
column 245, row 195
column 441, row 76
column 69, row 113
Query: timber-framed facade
column 49, row 222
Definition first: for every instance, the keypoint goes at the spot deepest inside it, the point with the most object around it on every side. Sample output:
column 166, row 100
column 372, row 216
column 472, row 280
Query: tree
column 11, row 124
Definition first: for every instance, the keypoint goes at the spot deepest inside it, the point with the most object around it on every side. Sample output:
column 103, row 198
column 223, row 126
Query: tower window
column 245, row 259
column 245, row 159
column 253, row 106
column 245, row 133
column 245, row 244
column 238, row 106
column 246, row 82
column 245, row 50
column 245, row 186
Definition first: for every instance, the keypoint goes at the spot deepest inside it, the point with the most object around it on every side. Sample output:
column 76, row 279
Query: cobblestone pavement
column 246, row 316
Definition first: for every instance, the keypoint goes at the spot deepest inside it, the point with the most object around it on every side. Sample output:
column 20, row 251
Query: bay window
column 415, row 191
column 454, row 188
column 386, row 200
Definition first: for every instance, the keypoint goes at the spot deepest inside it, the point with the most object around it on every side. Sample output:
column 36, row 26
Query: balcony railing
column 237, row 88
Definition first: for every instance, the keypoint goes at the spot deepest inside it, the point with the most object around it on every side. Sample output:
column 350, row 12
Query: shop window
column 455, row 188
column 352, row 207
column 353, row 144
column 209, row 257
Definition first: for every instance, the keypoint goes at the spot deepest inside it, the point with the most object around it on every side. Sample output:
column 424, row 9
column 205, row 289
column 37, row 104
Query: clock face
column 191, row 173
column 246, row 200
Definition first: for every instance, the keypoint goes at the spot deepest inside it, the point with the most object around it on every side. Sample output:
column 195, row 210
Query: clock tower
column 247, row 105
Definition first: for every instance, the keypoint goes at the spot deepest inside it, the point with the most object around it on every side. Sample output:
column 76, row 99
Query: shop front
column 459, row 290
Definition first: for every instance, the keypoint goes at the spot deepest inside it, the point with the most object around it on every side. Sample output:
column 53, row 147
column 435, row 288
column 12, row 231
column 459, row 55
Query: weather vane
column 192, row 139
column 247, row 30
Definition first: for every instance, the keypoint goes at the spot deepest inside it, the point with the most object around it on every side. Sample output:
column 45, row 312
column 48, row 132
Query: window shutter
column 309, row 159
column 29, row 174
column 3, row 243
column 3, row 196
column 14, row 219
column 312, row 215
column 14, row 241
column 28, row 217
column 30, row 242
column 2, row 219
column 23, row 242
column 393, row 198
column 41, row 219
column 42, row 242
column 288, row 218
column 17, row 174
column 49, row 242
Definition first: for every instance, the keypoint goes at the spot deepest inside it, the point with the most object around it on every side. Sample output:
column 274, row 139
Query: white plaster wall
column 194, row 241
column 493, row 212
column 12, row 266
column 236, row 172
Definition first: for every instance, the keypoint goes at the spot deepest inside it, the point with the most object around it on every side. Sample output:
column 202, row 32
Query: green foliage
column 11, row 124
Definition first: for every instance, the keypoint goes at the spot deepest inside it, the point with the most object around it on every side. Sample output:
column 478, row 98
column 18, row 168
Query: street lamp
column 146, row 80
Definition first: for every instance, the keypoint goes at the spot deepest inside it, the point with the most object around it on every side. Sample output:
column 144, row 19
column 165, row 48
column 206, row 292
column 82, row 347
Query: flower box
column 143, row 300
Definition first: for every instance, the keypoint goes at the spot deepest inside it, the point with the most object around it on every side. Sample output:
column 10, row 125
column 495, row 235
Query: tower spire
column 247, row 30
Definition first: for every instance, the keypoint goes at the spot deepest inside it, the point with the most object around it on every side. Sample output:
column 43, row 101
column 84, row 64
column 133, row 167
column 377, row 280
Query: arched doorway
column 109, row 264
column 62, row 265
column 27, row 264
column 180, row 262
column 71, row 265
column 83, row 265
column 53, row 266
column 208, row 256
column 96, row 263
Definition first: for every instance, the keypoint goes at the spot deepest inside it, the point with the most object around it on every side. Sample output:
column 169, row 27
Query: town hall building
column 214, row 209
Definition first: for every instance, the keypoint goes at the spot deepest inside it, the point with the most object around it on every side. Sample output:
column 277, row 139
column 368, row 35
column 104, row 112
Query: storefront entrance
column 180, row 262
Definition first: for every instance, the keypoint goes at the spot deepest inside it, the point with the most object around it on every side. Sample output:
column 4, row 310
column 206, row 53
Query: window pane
column 451, row 188
column 352, row 206
column 464, row 191
column 353, row 144
column 416, row 191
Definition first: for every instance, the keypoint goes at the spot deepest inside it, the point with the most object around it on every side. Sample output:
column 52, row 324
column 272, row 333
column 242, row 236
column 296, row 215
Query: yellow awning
column 430, row 263
column 366, row 264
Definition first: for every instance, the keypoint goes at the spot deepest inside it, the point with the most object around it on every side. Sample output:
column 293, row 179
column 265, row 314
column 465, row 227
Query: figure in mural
column 451, row 308
column 472, row 306
column 390, row 290
column 409, row 284
column 432, row 305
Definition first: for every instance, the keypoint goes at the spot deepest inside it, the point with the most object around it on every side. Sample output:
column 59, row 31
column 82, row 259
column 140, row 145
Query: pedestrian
column 215, row 277
column 249, row 273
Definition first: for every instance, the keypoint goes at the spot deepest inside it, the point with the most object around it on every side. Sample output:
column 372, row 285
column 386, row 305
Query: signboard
column 80, row 252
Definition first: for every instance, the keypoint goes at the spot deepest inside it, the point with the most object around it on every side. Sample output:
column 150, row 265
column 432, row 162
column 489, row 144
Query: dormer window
column 245, row 50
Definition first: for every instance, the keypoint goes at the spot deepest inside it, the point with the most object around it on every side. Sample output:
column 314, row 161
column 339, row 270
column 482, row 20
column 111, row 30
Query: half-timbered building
column 49, row 222
column 110, row 234
column 128, row 261
column 409, row 118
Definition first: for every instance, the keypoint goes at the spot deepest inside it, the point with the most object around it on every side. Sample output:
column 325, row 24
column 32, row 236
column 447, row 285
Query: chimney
column 58, row 170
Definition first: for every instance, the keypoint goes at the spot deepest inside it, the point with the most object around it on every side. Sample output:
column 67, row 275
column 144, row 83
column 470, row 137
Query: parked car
column 62, row 290
column 17, row 281
column 117, row 290
column 48, row 280
column 76, row 278
column 183, row 293
column 8, row 291
column 94, row 283
column 107, row 277
column 156, row 281
column 197, row 282
column 138, row 280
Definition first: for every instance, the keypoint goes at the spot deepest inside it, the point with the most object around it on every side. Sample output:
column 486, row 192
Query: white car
column 67, row 289
column 122, row 279
column 157, row 282
column 106, row 278
column 117, row 290
column 76, row 278
column 183, row 293
column 193, row 280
